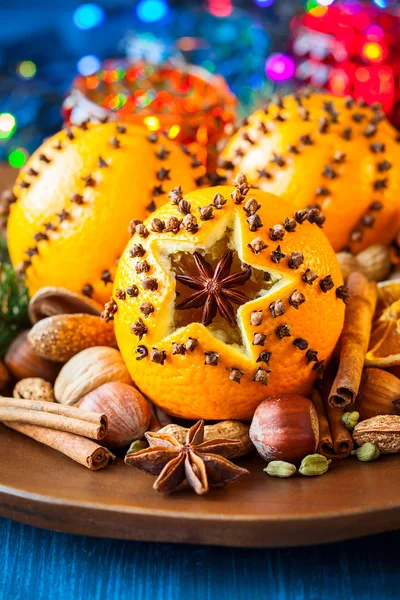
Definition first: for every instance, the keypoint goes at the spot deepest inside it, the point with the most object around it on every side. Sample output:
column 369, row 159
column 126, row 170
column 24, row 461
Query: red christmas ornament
column 350, row 49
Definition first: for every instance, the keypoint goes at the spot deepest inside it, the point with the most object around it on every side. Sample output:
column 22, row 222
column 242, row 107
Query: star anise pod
column 201, row 464
column 214, row 288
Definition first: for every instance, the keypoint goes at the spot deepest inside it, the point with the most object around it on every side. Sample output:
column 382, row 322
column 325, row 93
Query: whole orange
column 76, row 196
column 316, row 149
column 187, row 345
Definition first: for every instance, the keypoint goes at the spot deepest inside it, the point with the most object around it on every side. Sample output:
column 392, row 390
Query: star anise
column 200, row 464
column 214, row 288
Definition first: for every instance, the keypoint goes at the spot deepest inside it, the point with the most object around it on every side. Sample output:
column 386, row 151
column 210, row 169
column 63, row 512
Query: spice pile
column 228, row 305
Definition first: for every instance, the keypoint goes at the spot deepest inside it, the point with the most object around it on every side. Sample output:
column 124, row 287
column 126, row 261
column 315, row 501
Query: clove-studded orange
column 74, row 199
column 225, row 296
column 340, row 155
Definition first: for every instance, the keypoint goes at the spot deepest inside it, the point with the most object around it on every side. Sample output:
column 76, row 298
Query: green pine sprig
column 14, row 301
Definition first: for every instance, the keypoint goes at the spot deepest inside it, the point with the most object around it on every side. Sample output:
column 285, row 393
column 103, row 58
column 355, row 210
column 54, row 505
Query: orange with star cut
column 225, row 296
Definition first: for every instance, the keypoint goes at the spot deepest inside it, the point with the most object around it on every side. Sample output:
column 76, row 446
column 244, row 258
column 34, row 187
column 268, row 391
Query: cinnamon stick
column 54, row 416
column 80, row 449
column 335, row 440
column 354, row 340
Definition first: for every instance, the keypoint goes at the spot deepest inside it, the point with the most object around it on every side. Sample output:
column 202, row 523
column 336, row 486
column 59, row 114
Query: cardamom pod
column 280, row 468
column 314, row 464
column 136, row 446
column 367, row 452
column 350, row 419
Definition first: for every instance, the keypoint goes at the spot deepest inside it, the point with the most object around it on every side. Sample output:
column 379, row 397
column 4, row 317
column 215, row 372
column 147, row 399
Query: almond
column 60, row 337
column 383, row 431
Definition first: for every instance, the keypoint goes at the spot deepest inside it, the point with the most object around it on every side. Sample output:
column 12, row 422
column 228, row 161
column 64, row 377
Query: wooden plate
column 41, row 487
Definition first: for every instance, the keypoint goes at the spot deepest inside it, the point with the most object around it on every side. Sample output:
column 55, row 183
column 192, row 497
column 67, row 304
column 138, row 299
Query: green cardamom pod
column 314, row 464
column 367, row 452
column 280, row 468
column 136, row 446
column 350, row 419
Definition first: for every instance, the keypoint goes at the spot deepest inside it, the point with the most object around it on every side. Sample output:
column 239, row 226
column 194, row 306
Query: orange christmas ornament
column 224, row 297
column 334, row 153
column 75, row 198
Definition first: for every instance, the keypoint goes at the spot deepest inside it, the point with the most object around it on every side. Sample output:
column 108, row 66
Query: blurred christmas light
column 315, row 9
column 87, row 16
column 17, row 158
column 279, row 67
column 26, row 69
column 381, row 3
column 264, row 3
column 325, row 2
column 373, row 52
column 362, row 74
column 89, row 64
column 7, row 125
column 150, row 11
column 152, row 123
column 174, row 131
column 220, row 8
column 375, row 33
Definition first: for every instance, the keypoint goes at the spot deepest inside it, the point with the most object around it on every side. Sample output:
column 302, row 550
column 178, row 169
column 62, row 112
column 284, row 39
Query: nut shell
column 382, row 431
column 34, row 388
column 377, row 394
column 22, row 361
column 374, row 262
column 60, row 337
column 87, row 371
column 285, row 428
column 49, row 301
column 227, row 430
column 127, row 411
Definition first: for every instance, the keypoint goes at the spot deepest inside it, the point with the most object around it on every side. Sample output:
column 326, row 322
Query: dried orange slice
column 384, row 348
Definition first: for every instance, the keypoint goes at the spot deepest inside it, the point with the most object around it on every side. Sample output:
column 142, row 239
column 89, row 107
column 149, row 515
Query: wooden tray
column 41, row 487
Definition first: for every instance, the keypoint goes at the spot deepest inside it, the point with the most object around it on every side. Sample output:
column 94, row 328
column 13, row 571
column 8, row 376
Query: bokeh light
column 316, row 9
column 87, row 16
column 381, row 3
column 220, row 8
column 325, row 2
column 26, row 69
column 264, row 3
column 152, row 123
column 89, row 64
column 18, row 157
column 7, row 125
column 150, row 11
column 373, row 52
column 279, row 67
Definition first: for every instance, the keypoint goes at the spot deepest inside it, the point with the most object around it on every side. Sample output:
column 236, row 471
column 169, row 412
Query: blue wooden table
column 42, row 565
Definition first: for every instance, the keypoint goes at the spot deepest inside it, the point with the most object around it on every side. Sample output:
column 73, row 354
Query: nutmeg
column 347, row 262
column 60, row 337
column 34, row 388
column 87, row 371
column 127, row 411
column 22, row 361
column 379, row 394
column 373, row 262
column 285, row 428
column 383, row 431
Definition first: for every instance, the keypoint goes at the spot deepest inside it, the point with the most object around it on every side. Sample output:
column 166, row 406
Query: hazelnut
column 285, row 428
column 127, row 411
column 22, row 361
